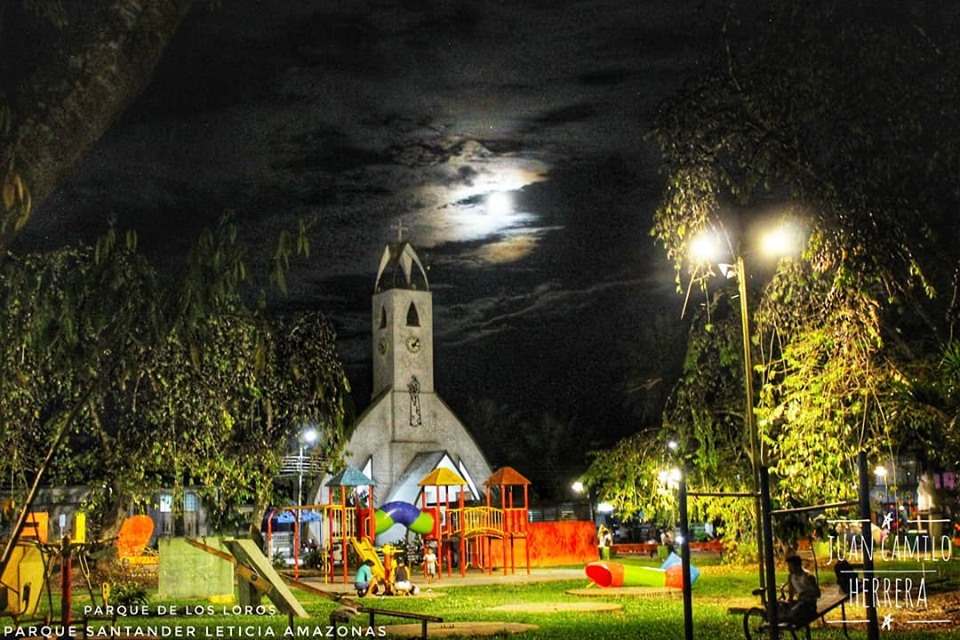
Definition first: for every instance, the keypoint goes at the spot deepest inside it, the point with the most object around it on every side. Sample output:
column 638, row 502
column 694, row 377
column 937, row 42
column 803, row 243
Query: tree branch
column 97, row 69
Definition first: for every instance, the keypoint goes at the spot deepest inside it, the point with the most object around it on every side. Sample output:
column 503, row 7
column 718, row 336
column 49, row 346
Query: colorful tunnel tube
column 614, row 574
column 403, row 513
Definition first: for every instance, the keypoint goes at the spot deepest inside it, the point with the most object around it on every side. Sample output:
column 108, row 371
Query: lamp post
column 307, row 438
column 760, row 468
column 686, row 584
column 780, row 242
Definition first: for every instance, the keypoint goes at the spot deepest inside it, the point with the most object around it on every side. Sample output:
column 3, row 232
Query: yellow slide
column 366, row 552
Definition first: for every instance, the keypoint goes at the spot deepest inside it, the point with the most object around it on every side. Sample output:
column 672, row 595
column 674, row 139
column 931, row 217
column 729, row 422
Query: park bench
column 373, row 612
column 825, row 604
column 829, row 602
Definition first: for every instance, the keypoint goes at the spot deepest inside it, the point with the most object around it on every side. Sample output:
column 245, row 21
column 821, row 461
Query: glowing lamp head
column 706, row 247
column 783, row 240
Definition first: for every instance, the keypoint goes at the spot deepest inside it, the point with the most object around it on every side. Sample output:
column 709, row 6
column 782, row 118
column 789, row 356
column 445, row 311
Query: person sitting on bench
column 803, row 592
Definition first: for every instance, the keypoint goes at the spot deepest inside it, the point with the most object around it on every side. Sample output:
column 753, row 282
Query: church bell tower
column 408, row 431
column 402, row 325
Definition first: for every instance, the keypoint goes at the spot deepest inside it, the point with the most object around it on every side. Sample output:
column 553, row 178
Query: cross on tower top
column 400, row 229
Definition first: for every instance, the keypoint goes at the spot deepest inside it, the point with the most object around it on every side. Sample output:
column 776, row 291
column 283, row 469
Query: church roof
column 400, row 268
column 406, row 488
column 350, row 477
column 506, row 476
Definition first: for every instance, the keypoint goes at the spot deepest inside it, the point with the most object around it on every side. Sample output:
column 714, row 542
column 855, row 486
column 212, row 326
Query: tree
column 549, row 451
column 67, row 72
column 138, row 383
column 833, row 112
column 78, row 374
column 928, row 410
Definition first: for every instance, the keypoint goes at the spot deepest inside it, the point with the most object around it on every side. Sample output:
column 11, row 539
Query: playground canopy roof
column 281, row 516
column 351, row 477
column 442, row 477
column 505, row 476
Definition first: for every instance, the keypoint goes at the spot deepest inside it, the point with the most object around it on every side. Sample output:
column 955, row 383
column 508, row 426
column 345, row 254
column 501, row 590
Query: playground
column 530, row 607
column 491, row 581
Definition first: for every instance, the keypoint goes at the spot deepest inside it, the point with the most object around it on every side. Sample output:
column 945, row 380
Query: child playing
column 430, row 564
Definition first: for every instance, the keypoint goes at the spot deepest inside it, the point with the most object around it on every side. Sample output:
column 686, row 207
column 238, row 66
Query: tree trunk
column 99, row 66
column 112, row 515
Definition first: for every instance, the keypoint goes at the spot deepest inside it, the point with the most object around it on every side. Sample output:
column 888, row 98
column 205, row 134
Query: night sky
column 551, row 297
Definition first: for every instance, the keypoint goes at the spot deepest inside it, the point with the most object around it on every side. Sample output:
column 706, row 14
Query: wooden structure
column 472, row 528
column 255, row 575
column 445, row 523
column 514, row 517
column 343, row 521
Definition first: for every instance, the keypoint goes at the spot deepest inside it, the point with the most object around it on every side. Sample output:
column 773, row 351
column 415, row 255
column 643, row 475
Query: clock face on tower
column 413, row 344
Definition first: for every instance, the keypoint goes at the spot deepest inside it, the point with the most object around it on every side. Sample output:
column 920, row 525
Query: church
column 408, row 430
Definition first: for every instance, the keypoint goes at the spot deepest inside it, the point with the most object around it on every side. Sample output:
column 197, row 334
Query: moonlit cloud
column 470, row 198
column 507, row 137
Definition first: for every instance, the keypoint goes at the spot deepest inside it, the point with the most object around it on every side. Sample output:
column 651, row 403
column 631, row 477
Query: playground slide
column 406, row 514
column 366, row 552
column 614, row 574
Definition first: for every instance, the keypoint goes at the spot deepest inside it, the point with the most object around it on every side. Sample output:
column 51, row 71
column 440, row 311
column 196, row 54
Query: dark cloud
column 366, row 112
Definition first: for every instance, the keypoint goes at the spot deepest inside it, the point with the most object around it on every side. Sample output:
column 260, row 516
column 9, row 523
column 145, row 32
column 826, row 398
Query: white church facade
column 408, row 430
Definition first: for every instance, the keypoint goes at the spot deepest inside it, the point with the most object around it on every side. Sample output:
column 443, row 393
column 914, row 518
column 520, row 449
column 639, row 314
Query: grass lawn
column 718, row 589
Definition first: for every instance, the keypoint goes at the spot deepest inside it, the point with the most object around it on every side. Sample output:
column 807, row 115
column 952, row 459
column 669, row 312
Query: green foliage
column 313, row 559
column 806, row 110
column 705, row 416
column 141, row 383
column 927, row 409
column 541, row 449
column 127, row 594
column 630, row 477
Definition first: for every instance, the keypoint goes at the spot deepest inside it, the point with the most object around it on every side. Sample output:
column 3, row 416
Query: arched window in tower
column 383, row 317
column 413, row 318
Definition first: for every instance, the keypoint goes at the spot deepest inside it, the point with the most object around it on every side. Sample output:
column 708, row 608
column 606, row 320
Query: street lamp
column 681, row 479
column 579, row 488
column 307, row 438
column 778, row 241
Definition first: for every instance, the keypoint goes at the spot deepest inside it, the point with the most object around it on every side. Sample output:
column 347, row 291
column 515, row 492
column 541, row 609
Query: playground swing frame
column 754, row 613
